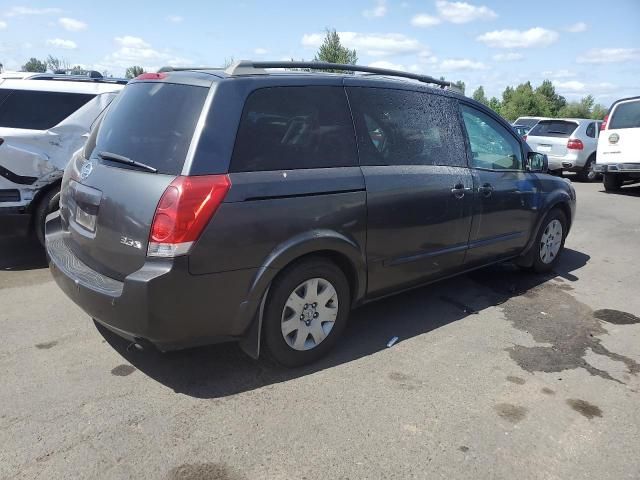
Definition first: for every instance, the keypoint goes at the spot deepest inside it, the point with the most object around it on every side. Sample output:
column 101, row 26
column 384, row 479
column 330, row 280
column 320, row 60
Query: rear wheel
column 612, row 182
column 306, row 311
column 48, row 203
column 588, row 174
column 550, row 241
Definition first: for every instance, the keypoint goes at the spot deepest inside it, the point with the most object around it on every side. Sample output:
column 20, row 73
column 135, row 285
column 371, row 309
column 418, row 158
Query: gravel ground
column 497, row 374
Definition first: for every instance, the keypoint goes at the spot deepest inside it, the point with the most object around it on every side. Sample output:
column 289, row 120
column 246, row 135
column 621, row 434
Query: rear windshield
column 626, row 115
column 553, row 128
column 36, row 110
column 152, row 123
column 527, row 122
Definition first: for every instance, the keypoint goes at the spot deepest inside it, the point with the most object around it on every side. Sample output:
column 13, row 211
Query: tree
column 55, row 63
column 479, row 95
column 133, row 72
column 598, row 112
column 494, row 104
column 524, row 101
column 78, row 70
column 459, row 85
column 581, row 109
column 34, row 65
column 332, row 51
column 556, row 102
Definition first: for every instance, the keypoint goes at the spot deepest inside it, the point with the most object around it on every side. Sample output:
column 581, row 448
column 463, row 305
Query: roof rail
column 184, row 69
column 89, row 77
column 248, row 67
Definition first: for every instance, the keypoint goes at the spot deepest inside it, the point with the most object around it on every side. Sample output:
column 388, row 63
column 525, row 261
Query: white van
column 44, row 118
column 618, row 155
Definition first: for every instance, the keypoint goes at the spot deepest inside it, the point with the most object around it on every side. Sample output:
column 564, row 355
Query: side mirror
column 537, row 162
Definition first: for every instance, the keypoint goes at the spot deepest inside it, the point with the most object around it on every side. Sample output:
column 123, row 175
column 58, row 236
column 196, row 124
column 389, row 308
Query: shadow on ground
column 222, row 370
column 630, row 190
column 21, row 253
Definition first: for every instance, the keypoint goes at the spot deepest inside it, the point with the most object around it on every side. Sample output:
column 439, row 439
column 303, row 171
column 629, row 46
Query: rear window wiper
column 114, row 157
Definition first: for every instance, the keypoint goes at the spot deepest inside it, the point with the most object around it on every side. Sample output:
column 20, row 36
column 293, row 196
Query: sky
column 583, row 46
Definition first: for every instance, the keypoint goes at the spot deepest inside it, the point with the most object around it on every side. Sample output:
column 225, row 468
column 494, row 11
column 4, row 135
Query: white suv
column 44, row 118
column 619, row 144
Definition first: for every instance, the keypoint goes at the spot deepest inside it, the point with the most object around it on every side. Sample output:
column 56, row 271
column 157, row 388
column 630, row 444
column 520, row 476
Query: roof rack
column 248, row 67
column 90, row 76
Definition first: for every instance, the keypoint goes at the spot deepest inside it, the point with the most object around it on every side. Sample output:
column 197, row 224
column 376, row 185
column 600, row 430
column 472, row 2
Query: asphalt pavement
column 497, row 374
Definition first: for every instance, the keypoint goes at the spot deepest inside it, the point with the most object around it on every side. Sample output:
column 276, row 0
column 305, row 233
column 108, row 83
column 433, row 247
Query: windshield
column 553, row 128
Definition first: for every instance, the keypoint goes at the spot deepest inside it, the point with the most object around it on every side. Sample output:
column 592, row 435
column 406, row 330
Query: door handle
column 486, row 189
column 459, row 190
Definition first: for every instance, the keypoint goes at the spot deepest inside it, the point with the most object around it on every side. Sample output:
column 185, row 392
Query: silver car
column 569, row 143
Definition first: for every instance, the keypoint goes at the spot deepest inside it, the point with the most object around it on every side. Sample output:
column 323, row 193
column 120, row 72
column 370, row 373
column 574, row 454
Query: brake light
column 151, row 76
column 184, row 209
column 575, row 144
column 603, row 125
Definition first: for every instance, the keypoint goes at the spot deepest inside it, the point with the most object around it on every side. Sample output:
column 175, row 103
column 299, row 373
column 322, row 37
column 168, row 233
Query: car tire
column 612, row 182
column 549, row 241
column 301, row 325
column 588, row 174
column 48, row 203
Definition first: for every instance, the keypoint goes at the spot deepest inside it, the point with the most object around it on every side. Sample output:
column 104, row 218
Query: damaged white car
column 44, row 118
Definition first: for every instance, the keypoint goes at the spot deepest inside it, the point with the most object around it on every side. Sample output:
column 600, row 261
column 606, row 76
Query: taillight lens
column 151, row 76
column 184, row 209
column 603, row 125
column 575, row 144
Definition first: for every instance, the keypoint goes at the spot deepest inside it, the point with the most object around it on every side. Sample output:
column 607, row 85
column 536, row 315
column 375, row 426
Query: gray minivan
column 240, row 205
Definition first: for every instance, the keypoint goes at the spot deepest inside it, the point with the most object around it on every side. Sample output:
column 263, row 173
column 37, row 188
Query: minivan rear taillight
column 575, row 144
column 184, row 210
column 603, row 125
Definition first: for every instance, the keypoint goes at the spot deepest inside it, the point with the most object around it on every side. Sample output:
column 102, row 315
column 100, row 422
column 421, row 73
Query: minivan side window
column 401, row 127
column 35, row 110
column 626, row 115
column 287, row 128
column 493, row 147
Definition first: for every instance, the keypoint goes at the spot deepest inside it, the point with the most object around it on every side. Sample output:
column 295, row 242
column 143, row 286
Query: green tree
column 598, row 112
column 332, row 51
column 494, row 104
column 556, row 102
column 78, row 70
column 459, row 85
column 479, row 95
column 524, row 101
column 55, row 63
column 34, row 65
column 581, row 109
column 133, row 72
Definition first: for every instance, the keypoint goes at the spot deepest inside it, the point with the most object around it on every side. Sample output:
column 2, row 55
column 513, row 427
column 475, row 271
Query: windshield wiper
column 113, row 157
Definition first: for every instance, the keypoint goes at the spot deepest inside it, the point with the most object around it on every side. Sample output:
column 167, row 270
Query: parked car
column 44, row 118
column 529, row 122
column 521, row 130
column 619, row 144
column 240, row 205
column 569, row 143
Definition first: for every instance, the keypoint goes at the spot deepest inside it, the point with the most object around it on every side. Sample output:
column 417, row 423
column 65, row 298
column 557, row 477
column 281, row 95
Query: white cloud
column 577, row 27
column 388, row 65
column 175, row 18
column 610, row 55
column 60, row 43
column 72, row 24
column 261, row 51
column 20, row 11
column 462, row 12
column 373, row 44
column 136, row 51
column 455, row 64
column 129, row 41
column 564, row 73
column 534, row 37
column 424, row 20
column 571, row 86
column 378, row 10
column 508, row 57
column 576, row 87
column 3, row 25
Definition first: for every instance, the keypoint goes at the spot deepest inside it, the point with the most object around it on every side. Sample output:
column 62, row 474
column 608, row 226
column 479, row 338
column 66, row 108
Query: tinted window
column 152, row 123
column 626, row 115
column 4, row 93
column 591, row 130
column 528, row 122
column 39, row 110
column 284, row 128
column 553, row 128
column 398, row 127
column 492, row 145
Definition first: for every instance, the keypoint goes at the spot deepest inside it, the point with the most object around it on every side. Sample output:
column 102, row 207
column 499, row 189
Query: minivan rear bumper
column 161, row 303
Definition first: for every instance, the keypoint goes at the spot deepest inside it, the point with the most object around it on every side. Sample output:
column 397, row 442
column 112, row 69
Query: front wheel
column 612, row 182
column 550, row 241
column 306, row 311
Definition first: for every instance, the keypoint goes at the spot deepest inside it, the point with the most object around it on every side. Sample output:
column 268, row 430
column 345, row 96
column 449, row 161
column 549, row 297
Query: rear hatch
column 620, row 141
column 108, row 202
column 551, row 136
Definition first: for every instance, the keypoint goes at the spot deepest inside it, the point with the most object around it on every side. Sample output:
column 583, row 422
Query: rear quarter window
column 625, row 115
column 285, row 128
column 553, row 128
column 35, row 110
column 152, row 123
